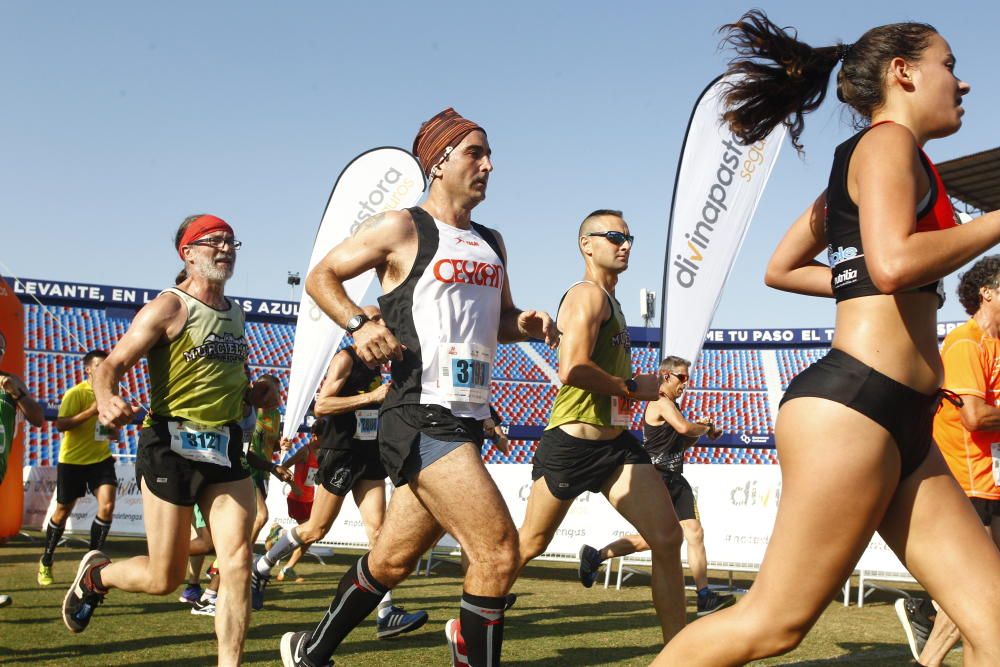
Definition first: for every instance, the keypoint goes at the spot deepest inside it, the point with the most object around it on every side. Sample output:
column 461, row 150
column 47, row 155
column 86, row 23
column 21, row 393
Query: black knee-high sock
column 482, row 628
column 357, row 596
column 99, row 533
column 53, row 533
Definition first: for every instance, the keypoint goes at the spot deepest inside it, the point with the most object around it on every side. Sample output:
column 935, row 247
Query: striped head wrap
column 439, row 135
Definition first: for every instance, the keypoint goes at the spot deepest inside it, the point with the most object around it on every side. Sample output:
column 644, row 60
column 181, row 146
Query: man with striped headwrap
column 446, row 305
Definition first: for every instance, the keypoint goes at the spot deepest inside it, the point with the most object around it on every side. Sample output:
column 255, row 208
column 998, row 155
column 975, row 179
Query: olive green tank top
column 200, row 376
column 613, row 353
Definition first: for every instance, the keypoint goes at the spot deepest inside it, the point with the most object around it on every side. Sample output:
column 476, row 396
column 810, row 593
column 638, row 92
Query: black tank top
column 666, row 446
column 338, row 431
column 843, row 231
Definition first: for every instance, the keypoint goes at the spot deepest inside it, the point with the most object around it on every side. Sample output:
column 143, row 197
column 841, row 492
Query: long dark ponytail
column 782, row 78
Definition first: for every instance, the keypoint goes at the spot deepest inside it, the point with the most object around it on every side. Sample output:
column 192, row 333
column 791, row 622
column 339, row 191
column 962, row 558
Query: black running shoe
column 590, row 564
column 293, row 650
column 916, row 624
column 83, row 596
column 713, row 602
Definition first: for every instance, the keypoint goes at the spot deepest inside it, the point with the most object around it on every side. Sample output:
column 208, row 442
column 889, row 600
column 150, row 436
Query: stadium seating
column 727, row 385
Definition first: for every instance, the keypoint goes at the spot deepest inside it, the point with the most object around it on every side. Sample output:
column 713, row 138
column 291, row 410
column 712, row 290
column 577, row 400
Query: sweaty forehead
column 474, row 139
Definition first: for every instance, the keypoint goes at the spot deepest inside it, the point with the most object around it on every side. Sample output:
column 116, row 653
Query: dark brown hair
column 984, row 273
column 782, row 78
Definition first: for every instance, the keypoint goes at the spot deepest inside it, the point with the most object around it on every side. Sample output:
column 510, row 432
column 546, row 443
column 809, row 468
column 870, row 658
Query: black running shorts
column 682, row 495
column 904, row 412
column 987, row 510
column 179, row 481
column 340, row 469
column 571, row 465
column 73, row 480
column 404, row 429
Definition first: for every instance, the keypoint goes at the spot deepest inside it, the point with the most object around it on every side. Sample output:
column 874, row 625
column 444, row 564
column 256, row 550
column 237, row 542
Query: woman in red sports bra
column 854, row 430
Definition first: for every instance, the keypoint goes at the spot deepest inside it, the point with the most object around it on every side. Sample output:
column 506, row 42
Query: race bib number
column 621, row 411
column 367, row 428
column 995, row 447
column 310, row 479
column 101, row 432
column 203, row 444
column 464, row 372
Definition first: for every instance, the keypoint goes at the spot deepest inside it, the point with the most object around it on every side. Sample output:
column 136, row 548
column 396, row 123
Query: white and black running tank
column 447, row 314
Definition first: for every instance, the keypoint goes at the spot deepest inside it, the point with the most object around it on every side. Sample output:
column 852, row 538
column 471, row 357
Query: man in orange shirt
column 968, row 435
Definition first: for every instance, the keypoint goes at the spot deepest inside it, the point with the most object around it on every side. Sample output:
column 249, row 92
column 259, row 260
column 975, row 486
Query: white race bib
column 197, row 442
column 621, row 411
column 995, row 448
column 101, row 432
column 367, row 428
column 464, row 372
column 310, row 477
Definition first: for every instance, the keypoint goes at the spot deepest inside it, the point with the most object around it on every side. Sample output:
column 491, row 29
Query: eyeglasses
column 681, row 377
column 617, row 238
column 218, row 242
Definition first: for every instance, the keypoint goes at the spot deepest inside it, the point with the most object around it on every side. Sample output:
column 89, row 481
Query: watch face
column 355, row 323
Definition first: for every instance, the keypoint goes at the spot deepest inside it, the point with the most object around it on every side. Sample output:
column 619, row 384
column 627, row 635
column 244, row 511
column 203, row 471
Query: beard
column 207, row 270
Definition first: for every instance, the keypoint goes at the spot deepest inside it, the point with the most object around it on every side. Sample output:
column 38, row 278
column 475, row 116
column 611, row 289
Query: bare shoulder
column 585, row 301
column 382, row 227
column 887, row 146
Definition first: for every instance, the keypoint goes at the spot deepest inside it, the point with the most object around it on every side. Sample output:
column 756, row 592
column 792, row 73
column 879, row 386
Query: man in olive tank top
column 587, row 445
column 191, row 447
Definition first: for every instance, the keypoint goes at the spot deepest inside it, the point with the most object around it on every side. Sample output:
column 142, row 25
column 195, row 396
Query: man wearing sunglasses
column 667, row 435
column 191, row 447
column 587, row 445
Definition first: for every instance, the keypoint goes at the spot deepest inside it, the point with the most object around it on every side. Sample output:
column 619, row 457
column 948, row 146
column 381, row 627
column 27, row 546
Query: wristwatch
column 631, row 386
column 356, row 322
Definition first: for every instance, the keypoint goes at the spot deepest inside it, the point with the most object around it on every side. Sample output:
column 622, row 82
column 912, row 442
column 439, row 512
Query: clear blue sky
column 120, row 118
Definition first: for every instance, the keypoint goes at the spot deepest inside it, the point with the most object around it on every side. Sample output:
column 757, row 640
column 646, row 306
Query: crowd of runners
column 869, row 411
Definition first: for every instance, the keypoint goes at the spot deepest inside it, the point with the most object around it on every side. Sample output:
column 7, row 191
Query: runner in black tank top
column 853, row 433
column 667, row 436
column 446, row 298
column 348, row 462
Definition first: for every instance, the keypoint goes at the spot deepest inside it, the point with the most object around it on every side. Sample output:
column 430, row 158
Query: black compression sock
column 99, row 533
column 53, row 533
column 482, row 628
column 357, row 596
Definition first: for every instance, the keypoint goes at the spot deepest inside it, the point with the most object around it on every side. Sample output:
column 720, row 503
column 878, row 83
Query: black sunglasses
column 682, row 377
column 617, row 238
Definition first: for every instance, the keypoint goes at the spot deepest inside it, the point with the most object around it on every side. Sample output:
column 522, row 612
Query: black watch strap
column 356, row 322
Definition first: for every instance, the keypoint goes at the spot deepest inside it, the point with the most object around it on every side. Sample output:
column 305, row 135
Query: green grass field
column 555, row 622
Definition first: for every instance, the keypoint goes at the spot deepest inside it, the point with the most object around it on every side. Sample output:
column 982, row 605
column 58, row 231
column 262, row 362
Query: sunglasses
column 617, row 238
column 681, row 377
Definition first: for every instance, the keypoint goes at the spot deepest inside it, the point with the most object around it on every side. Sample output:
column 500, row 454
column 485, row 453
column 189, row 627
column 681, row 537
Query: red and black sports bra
column 843, row 230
